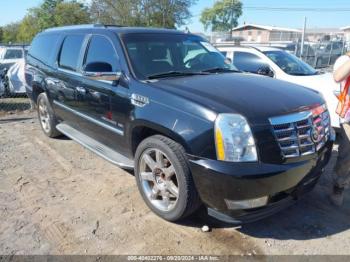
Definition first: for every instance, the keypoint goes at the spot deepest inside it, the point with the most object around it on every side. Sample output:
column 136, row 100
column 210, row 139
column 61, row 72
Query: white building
column 263, row 33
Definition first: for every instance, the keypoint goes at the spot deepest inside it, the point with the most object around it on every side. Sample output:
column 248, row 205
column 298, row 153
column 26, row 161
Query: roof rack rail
column 83, row 26
column 107, row 25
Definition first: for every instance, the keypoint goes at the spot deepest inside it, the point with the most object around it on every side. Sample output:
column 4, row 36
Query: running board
column 96, row 147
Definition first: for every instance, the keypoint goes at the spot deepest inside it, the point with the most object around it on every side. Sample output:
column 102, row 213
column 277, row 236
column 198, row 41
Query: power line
column 296, row 9
column 292, row 9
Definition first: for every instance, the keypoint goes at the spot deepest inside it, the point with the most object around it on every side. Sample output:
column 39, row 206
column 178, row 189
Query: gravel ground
column 58, row 198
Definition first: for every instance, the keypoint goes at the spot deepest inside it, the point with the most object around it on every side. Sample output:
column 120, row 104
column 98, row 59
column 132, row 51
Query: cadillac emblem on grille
column 302, row 133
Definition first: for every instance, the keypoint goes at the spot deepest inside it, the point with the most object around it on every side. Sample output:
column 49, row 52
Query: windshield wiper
column 220, row 70
column 174, row 73
column 303, row 74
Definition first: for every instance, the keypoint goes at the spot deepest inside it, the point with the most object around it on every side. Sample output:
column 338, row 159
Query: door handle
column 81, row 90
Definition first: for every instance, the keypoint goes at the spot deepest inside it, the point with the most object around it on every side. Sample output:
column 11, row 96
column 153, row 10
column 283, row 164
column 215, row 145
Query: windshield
column 13, row 54
column 290, row 64
column 170, row 55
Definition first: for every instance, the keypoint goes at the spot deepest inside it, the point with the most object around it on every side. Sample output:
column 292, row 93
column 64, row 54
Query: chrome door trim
column 89, row 118
column 69, row 71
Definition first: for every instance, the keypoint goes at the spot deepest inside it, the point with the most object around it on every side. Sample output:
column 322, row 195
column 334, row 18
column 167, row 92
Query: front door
column 98, row 96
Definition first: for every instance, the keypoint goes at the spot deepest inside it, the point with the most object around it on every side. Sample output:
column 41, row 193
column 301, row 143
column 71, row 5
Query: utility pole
column 211, row 33
column 303, row 39
column 231, row 22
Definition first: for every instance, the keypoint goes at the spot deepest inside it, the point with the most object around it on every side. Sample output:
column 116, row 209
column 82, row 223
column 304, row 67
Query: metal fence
column 321, row 52
column 317, row 54
column 12, row 102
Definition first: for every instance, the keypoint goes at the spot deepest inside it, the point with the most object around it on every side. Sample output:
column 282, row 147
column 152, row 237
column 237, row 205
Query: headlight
column 234, row 139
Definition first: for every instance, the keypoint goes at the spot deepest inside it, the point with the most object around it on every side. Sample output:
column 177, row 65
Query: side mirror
column 228, row 61
column 266, row 71
column 100, row 71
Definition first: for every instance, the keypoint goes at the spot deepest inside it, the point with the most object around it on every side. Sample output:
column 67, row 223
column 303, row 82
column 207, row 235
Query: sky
column 14, row 10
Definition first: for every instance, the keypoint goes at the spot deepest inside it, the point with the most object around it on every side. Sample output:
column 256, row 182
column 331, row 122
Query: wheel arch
column 37, row 90
column 144, row 129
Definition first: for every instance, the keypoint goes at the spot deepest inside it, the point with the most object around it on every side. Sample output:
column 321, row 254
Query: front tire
column 164, row 178
column 47, row 117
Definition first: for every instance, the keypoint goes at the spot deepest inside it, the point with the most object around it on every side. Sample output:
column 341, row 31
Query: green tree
column 28, row 28
column 166, row 13
column 45, row 13
column 154, row 13
column 9, row 33
column 71, row 13
column 223, row 16
column 52, row 13
column 0, row 34
column 113, row 11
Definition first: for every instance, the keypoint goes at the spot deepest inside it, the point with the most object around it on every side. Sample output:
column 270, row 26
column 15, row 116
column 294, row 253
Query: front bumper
column 217, row 181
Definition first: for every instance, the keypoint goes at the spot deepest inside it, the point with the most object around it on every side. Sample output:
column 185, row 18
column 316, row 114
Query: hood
column 254, row 97
column 323, row 82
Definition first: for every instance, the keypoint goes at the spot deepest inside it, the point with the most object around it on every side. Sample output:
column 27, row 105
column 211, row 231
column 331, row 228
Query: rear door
column 66, row 87
column 40, row 68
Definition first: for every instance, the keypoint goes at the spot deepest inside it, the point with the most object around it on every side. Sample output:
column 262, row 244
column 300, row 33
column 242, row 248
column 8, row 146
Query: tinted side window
column 247, row 62
column 43, row 46
column 13, row 54
column 101, row 51
column 70, row 52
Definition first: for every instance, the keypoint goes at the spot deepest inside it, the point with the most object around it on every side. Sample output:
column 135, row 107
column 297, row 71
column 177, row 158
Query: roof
column 317, row 30
column 265, row 27
column 119, row 29
column 267, row 48
column 259, row 48
column 345, row 28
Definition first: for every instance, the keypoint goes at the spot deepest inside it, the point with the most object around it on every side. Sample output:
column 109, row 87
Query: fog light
column 246, row 204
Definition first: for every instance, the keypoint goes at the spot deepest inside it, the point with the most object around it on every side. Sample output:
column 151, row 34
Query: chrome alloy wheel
column 44, row 116
column 158, row 179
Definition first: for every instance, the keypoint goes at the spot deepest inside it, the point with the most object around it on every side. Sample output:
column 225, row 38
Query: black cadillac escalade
column 170, row 107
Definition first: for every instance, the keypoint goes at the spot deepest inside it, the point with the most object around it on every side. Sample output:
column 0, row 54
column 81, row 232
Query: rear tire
column 47, row 117
column 164, row 179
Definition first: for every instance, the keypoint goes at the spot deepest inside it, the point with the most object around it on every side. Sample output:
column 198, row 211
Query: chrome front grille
column 302, row 133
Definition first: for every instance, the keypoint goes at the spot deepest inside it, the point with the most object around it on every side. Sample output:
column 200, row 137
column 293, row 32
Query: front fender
column 195, row 134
